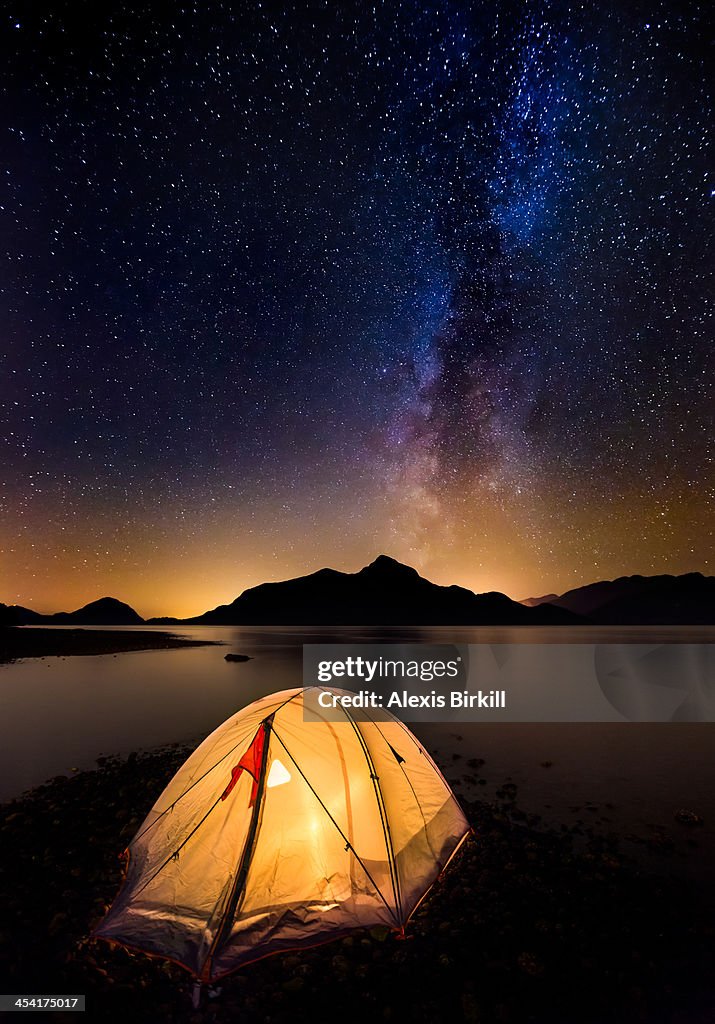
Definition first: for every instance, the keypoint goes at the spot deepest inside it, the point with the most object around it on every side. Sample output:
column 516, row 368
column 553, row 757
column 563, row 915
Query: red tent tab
column 251, row 763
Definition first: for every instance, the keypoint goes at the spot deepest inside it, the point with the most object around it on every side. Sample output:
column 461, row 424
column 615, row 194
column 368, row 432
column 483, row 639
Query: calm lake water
column 60, row 714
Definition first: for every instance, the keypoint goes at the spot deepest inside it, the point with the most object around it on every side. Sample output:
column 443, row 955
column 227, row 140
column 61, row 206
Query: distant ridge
column 534, row 602
column 107, row 611
column 387, row 592
column 645, row 600
column 16, row 615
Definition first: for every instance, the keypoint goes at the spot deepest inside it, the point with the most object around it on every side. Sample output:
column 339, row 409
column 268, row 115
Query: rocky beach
column 529, row 923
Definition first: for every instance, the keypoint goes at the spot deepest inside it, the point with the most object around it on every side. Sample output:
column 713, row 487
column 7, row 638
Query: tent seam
column 382, row 809
column 406, row 776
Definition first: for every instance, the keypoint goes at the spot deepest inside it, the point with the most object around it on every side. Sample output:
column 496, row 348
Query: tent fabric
column 280, row 832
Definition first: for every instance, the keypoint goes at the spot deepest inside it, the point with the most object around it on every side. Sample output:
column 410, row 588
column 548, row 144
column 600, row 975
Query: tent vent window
column 278, row 775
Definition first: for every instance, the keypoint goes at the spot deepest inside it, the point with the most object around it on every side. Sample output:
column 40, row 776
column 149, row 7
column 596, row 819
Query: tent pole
column 226, row 923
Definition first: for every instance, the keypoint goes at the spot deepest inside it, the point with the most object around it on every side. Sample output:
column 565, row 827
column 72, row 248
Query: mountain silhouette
column 534, row 602
column 385, row 592
column 16, row 615
column 107, row 611
column 645, row 600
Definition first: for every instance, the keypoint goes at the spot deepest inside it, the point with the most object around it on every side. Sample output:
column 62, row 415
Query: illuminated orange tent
column 280, row 832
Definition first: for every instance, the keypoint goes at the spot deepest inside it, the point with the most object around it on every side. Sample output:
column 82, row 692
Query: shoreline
column 18, row 643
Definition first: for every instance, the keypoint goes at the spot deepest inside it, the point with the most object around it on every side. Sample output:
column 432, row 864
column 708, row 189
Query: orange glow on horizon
column 161, row 578
column 183, row 565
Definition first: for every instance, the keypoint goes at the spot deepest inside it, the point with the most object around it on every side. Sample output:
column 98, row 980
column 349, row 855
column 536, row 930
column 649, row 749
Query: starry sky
column 287, row 285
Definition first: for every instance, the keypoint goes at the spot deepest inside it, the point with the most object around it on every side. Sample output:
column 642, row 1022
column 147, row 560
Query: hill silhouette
column 645, row 600
column 16, row 615
column 387, row 592
column 107, row 611
column 534, row 602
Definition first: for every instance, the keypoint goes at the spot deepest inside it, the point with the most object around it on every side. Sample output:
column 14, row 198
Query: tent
column 285, row 829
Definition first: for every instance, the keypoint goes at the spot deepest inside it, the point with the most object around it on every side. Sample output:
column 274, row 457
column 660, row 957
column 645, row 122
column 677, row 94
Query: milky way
column 288, row 285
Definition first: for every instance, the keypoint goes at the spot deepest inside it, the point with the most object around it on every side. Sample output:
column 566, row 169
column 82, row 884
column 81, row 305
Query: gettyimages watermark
column 512, row 682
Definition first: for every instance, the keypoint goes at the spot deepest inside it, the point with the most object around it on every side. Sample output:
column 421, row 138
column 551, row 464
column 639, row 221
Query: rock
column 689, row 818
column 237, row 657
column 530, row 964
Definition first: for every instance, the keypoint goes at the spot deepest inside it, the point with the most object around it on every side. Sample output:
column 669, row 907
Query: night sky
column 288, row 285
